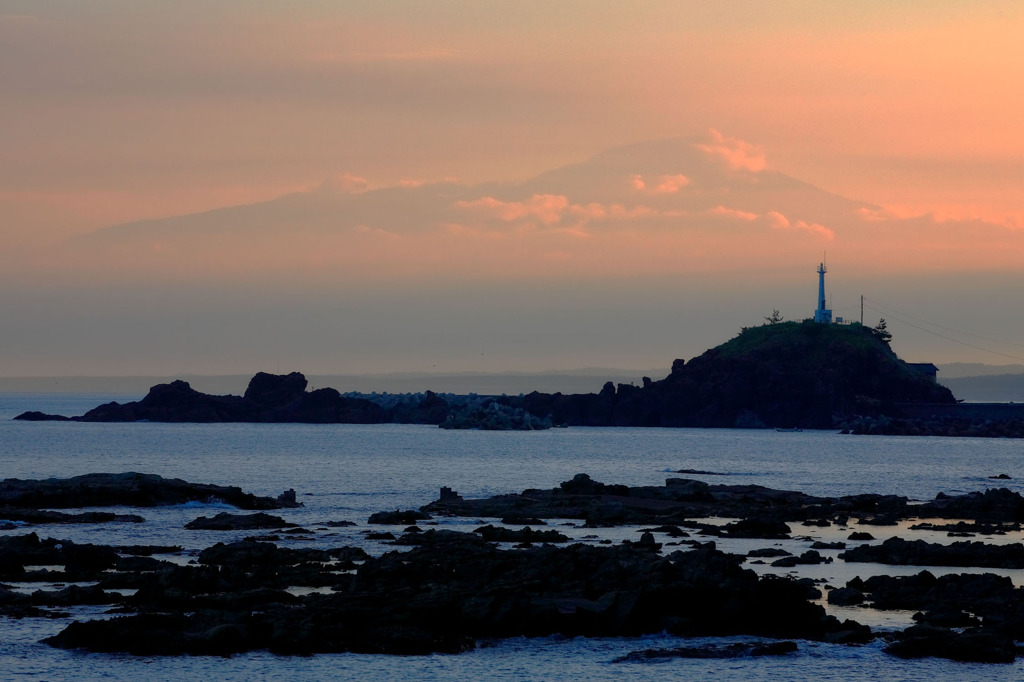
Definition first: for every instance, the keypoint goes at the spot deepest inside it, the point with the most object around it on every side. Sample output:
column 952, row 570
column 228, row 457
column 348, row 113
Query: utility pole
column 862, row 310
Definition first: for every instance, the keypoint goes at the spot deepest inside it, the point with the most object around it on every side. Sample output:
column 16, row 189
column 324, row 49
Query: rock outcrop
column 763, row 512
column 128, row 489
column 442, row 596
column 447, row 589
column 900, row 552
column 780, row 375
column 961, row 617
column 226, row 521
column 269, row 398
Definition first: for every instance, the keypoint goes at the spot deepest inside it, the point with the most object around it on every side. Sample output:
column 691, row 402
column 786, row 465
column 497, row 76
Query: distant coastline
column 585, row 380
column 780, row 374
column 990, row 384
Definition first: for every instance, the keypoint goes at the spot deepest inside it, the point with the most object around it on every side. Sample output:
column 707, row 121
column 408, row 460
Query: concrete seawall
column 971, row 411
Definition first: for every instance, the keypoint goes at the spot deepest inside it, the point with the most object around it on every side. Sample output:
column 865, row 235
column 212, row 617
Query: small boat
column 792, row 430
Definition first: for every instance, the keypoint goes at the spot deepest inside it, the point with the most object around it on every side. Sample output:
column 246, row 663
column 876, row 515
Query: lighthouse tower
column 822, row 315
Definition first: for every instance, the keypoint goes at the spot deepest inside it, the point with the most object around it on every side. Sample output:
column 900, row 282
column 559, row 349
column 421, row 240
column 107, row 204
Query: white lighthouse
column 822, row 315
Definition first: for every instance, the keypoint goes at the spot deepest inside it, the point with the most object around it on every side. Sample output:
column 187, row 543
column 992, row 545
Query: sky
column 234, row 186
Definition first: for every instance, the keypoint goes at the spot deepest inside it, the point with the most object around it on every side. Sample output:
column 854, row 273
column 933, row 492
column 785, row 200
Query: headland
column 778, row 375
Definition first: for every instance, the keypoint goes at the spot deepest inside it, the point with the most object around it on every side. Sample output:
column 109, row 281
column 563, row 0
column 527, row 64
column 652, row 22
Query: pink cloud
column 875, row 215
column 737, row 154
column 547, row 208
column 665, row 184
column 816, row 228
column 620, row 211
column 670, row 184
column 346, row 183
column 491, row 207
column 734, row 213
column 555, row 211
column 781, row 222
column 592, row 211
column 777, row 220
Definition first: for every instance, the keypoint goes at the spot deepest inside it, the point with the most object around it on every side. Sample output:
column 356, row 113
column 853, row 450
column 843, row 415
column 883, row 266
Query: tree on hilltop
column 881, row 331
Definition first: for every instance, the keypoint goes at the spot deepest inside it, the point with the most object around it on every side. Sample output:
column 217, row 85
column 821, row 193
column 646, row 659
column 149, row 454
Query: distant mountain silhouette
column 675, row 182
column 607, row 176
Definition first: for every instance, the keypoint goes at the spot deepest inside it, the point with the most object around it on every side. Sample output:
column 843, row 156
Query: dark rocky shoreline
column 128, row 489
column 443, row 590
column 759, row 509
column 785, row 375
column 444, row 595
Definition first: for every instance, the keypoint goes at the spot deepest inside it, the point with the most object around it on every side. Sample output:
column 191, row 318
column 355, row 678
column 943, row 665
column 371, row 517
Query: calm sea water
column 349, row 472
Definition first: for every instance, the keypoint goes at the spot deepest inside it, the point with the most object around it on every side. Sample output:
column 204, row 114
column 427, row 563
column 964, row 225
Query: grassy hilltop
column 784, row 374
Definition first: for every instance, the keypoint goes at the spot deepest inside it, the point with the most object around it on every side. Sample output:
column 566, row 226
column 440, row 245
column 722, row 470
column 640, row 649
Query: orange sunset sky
column 242, row 185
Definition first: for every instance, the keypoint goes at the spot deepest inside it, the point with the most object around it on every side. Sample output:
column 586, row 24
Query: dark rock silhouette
column 846, row 596
column 762, row 512
column 780, row 375
column 270, row 391
column 269, row 398
column 441, row 596
column 970, row 646
column 226, row 521
column 398, row 517
column 80, row 561
column 430, row 409
column 900, row 552
column 738, row 650
column 36, row 416
column 45, row 516
column 527, row 534
column 993, row 505
column 128, row 489
column 945, row 602
column 453, row 588
column 173, row 402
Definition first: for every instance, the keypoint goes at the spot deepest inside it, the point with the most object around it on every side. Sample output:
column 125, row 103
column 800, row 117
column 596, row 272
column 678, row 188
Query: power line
column 893, row 311
column 943, row 336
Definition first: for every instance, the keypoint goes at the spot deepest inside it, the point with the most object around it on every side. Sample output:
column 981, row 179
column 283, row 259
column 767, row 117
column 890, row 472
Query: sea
column 347, row 472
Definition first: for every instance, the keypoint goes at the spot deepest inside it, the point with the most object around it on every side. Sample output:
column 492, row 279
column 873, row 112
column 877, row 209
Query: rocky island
column 786, row 374
column 782, row 375
column 268, row 398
